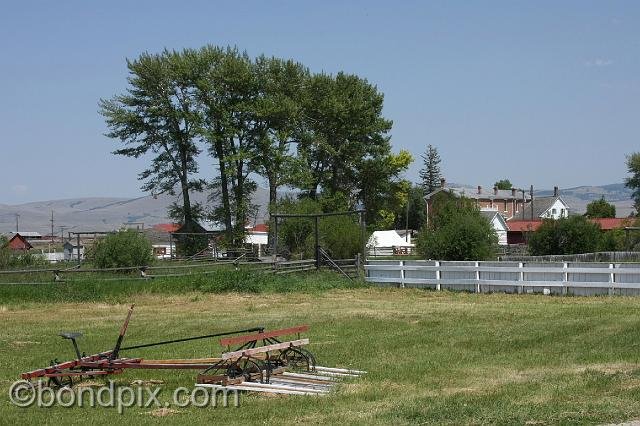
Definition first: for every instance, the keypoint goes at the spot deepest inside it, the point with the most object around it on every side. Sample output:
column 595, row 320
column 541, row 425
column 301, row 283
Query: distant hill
column 578, row 197
column 104, row 214
column 100, row 214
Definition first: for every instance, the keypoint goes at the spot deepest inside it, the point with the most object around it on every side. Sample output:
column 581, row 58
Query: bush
column 11, row 259
column 571, row 235
column 457, row 231
column 339, row 235
column 121, row 249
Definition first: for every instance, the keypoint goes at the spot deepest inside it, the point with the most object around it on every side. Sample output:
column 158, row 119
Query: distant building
column 71, row 250
column 508, row 203
column 498, row 223
column 258, row 237
column 552, row 207
column 19, row 243
column 30, row 235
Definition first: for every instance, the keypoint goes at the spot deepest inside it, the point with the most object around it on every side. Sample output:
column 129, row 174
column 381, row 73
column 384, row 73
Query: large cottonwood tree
column 157, row 116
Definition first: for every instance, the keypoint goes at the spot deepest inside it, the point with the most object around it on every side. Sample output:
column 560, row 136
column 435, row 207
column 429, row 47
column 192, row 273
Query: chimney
column 513, row 192
column 442, row 182
column 479, row 189
column 495, row 190
column 555, row 191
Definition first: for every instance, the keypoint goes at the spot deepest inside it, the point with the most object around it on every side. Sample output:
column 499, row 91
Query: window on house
column 553, row 211
column 561, row 212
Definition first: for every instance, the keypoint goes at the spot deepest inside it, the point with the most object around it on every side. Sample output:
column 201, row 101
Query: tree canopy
column 503, row 184
column 261, row 119
column 600, row 208
column 430, row 173
column 633, row 182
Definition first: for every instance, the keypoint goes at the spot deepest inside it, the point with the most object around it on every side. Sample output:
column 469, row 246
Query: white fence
column 511, row 277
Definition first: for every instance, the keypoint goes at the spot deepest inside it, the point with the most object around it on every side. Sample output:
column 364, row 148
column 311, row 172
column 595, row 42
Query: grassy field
column 441, row 358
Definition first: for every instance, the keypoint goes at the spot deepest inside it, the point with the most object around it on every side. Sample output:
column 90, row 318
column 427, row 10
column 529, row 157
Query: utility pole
column 52, row 226
column 17, row 223
column 62, row 228
column 406, row 221
column 531, row 194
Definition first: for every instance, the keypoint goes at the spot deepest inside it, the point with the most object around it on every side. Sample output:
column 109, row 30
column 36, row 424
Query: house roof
column 523, row 225
column 493, row 214
column 609, row 223
column 484, row 194
column 261, row 227
column 539, row 206
column 29, row 234
column 166, row 227
column 18, row 242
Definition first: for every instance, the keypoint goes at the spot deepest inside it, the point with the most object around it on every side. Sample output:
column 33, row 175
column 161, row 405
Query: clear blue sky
column 542, row 93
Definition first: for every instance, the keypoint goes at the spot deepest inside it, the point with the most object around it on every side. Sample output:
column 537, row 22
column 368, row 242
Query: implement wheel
column 298, row 359
column 60, row 382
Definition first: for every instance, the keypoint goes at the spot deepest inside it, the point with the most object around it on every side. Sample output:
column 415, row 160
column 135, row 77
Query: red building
column 19, row 243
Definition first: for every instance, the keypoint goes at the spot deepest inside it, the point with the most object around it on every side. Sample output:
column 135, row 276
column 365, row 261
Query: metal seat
column 70, row 335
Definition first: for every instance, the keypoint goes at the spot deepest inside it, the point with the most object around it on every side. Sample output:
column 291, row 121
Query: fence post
column 437, row 265
column 612, row 280
column 521, row 278
column 565, row 277
column 358, row 265
column 402, row 274
column 477, row 277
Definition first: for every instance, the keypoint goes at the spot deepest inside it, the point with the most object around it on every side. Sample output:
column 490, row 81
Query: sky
column 543, row 93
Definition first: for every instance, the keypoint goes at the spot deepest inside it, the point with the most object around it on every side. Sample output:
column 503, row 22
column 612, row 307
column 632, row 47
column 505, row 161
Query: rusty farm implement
column 253, row 360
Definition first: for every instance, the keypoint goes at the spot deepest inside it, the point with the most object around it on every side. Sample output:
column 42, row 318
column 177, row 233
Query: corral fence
column 601, row 256
column 164, row 270
column 575, row 278
column 391, row 251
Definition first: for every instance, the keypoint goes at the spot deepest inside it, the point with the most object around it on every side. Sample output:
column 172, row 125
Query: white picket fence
column 511, row 277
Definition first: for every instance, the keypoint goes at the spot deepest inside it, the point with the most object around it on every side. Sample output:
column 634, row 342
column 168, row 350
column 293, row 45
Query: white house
column 258, row 237
column 499, row 224
column 552, row 207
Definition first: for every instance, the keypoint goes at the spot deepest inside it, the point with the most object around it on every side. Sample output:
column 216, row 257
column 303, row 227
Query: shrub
column 570, row 235
column 339, row 235
column 457, row 231
column 11, row 259
column 121, row 249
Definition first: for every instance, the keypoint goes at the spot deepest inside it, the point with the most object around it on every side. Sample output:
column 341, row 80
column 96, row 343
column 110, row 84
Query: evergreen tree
column 430, row 174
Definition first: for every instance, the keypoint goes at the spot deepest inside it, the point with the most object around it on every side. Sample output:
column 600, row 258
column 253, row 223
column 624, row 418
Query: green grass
column 218, row 280
column 439, row 358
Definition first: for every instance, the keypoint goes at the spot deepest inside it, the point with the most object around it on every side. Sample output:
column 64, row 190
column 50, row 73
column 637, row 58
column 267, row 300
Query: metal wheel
column 60, row 382
column 299, row 359
column 246, row 368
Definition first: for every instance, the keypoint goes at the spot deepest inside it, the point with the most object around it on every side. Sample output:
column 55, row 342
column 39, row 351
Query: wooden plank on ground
column 228, row 341
column 263, row 349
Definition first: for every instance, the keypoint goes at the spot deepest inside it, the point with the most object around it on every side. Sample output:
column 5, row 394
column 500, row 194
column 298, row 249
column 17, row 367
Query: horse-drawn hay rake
column 261, row 363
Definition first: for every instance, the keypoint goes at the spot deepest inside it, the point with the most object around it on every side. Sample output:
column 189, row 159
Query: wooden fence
column 162, row 269
column 511, row 277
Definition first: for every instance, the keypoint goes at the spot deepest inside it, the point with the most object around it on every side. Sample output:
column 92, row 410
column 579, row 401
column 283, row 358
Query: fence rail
column 511, row 277
column 161, row 270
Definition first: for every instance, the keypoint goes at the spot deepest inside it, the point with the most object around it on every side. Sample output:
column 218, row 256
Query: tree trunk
column 184, row 186
column 224, row 185
column 273, row 200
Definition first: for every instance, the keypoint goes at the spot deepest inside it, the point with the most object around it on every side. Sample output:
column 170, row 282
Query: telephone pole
column 51, row 226
column 17, row 223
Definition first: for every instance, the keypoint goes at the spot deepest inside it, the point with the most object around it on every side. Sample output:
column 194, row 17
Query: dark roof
column 485, row 194
column 539, row 206
column 491, row 214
